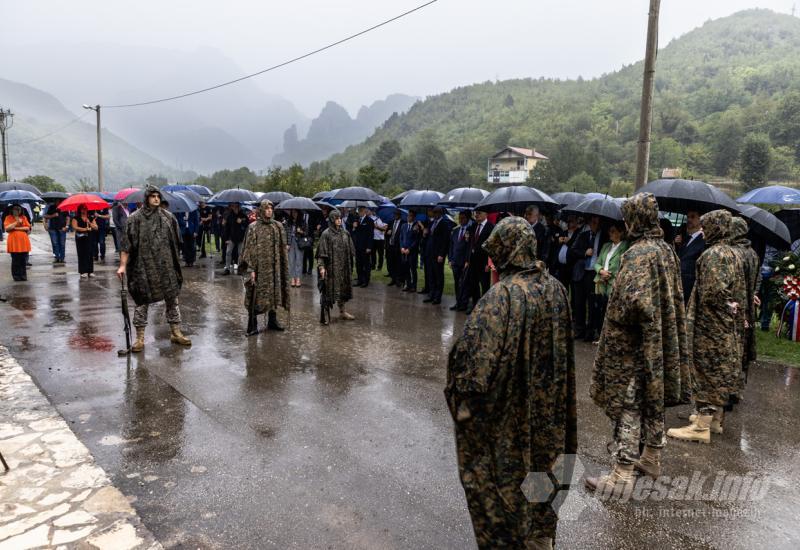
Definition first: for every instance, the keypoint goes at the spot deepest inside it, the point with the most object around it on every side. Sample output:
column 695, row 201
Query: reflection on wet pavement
column 337, row 436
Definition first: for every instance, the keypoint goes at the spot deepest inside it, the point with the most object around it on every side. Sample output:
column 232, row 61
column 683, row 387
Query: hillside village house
column 512, row 165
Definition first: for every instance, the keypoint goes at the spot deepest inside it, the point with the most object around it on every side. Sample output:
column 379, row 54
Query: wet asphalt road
column 339, row 436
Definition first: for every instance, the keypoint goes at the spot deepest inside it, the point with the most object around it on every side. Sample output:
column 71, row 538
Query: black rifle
column 126, row 319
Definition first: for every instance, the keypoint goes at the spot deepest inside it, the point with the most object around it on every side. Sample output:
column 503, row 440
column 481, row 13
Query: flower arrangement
column 787, row 277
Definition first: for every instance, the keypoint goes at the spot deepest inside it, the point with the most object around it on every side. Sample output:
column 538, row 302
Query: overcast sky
column 448, row 44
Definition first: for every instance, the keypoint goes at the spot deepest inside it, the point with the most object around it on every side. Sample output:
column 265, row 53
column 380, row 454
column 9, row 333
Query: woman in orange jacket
column 18, row 245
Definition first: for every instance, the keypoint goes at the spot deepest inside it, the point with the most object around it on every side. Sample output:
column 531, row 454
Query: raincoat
column 337, row 254
column 265, row 254
column 511, row 391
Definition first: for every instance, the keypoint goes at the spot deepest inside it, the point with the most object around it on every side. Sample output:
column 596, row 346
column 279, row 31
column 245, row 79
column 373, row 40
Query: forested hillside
column 727, row 105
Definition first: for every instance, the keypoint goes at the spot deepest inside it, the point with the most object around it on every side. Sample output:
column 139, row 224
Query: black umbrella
column 357, row 204
column 681, row 196
column 233, row 195
column 356, row 194
column 178, row 202
column 191, row 194
column 463, row 197
column 605, row 208
column 54, row 195
column 566, row 198
column 765, row 225
column 321, row 195
column 398, row 198
column 201, row 190
column 299, row 203
column 276, row 197
column 515, row 199
column 421, row 199
column 19, row 186
column 791, row 218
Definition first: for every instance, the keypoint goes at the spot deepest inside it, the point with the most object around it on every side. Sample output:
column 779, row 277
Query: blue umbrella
column 772, row 194
column 463, row 196
column 17, row 196
column 421, row 199
column 201, row 190
column 386, row 212
column 180, row 202
column 276, row 197
column 175, row 187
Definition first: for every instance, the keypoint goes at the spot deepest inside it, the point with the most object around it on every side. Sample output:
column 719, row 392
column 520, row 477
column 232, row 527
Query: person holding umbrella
column 19, row 244
column 84, row 225
column 149, row 256
column 57, row 226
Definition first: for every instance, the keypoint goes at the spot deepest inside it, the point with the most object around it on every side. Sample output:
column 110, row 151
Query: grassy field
column 449, row 285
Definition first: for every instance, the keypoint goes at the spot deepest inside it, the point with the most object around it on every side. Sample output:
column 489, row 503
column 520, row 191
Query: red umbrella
column 92, row 202
column 122, row 194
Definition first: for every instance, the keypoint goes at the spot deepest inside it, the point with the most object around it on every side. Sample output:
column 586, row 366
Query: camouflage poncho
column 511, row 391
column 151, row 240
column 337, row 254
column 715, row 332
column 644, row 334
column 265, row 253
column 752, row 279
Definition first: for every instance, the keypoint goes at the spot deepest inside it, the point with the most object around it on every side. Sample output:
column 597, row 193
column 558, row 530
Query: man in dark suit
column 393, row 248
column 689, row 244
column 409, row 251
column 458, row 257
column 437, row 246
column 478, row 265
column 537, row 223
column 363, row 233
column 586, row 302
column 563, row 263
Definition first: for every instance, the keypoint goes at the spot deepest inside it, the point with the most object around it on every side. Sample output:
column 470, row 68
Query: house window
column 520, row 163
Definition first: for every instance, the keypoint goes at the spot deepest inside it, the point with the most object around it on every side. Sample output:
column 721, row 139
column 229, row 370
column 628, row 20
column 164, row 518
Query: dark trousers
column 585, row 305
column 84, row 247
column 189, row 250
column 462, row 286
column 767, row 292
column 19, row 269
column 436, row 278
column 363, row 267
column 203, row 235
column 218, row 242
column 99, row 239
column 479, row 282
column 393, row 263
column 426, row 273
column 308, row 259
column 376, row 261
column 408, row 267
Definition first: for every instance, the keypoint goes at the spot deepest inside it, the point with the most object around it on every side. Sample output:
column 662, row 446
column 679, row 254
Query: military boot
column 699, row 430
column 650, row 462
column 539, row 543
column 272, row 323
column 177, row 336
column 138, row 345
column 716, row 421
column 616, row 485
column 344, row 316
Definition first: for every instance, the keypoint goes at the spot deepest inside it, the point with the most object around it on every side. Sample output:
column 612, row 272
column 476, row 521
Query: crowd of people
column 673, row 318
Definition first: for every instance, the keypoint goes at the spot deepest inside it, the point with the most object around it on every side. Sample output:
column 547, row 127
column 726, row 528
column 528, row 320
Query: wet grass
column 779, row 350
column 449, row 285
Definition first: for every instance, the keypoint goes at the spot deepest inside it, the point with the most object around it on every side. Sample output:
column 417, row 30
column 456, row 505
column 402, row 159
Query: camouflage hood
column 641, row 216
column 150, row 190
column 716, row 226
column 332, row 217
column 261, row 208
column 739, row 231
column 512, row 245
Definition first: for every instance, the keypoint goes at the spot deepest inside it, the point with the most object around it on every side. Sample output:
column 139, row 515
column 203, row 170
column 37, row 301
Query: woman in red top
column 19, row 245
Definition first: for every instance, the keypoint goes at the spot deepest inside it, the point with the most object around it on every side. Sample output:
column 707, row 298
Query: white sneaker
column 91, row 275
column 84, row 275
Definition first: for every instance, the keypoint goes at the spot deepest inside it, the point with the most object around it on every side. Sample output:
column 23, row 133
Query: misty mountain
column 234, row 126
column 333, row 130
column 70, row 153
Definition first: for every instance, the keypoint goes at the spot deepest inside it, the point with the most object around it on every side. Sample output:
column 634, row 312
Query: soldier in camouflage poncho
column 642, row 362
column 716, row 328
column 335, row 257
column 266, row 261
column 511, row 392
column 149, row 256
column 752, row 279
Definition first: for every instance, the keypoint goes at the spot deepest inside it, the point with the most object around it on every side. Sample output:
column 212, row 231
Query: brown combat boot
column 650, row 462
column 344, row 316
column 617, row 485
column 138, row 345
column 539, row 543
column 177, row 336
column 716, row 421
column 699, row 430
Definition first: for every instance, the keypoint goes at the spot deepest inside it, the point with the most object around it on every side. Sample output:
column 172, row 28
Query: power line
column 57, row 130
column 279, row 65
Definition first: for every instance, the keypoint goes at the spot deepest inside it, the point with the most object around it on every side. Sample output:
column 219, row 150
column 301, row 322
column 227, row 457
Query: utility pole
column 96, row 109
column 646, row 116
column 6, row 122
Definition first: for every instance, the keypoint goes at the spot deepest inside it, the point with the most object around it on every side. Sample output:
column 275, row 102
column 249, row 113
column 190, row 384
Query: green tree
column 755, row 160
column 369, row 176
column 44, row 183
column 157, row 179
column 508, row 102
column 581, row 182
column 85, row 185
column 432, row 170
column 543, row 177
column 386, row 152
column 785, row 128
column 782, row 165
column 502, row 139
column 403, row 172
column 727, row 143
column 621, row 188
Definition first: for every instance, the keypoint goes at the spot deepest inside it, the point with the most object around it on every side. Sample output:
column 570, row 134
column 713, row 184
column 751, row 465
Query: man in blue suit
column 409, row 252
column 458, row 257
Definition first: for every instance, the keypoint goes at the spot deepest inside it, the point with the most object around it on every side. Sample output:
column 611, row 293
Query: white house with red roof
column 512, row 165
